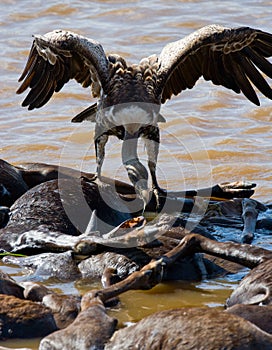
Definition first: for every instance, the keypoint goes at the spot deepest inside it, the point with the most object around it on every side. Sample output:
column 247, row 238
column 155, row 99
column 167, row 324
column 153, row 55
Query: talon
column 88, row 178
column 95, row 177
column 160, row 195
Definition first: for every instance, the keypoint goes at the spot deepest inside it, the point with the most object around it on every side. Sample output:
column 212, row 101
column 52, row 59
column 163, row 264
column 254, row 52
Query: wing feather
column 44, row 94
column 38, row 75
column 36, row 92
column 58, row 57
column 63, row 76
column 262, row 63
column 232, row 58
column 227, row 69
column 255, row 76
column 27, row 74
column 47, row 93
column 243, row 82
column 190, row 75
column 88, row 114
column 264, row 49
column 31, row 57
column 215, row 69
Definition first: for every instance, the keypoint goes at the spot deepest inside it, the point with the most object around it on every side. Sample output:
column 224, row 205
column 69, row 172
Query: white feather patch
column 131, row 117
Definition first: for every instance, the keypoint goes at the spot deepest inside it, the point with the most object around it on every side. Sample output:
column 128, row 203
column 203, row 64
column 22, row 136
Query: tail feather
column 88, row 114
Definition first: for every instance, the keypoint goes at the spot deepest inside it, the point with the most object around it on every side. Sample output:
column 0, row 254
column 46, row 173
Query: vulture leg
column 137, row 173
column 100, row 143
column 152, row 143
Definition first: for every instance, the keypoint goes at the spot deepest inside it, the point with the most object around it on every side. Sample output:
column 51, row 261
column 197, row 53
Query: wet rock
column 196, row 328
column 95, row 265
column 91, row 329
column 24, row 319
column 48, row 265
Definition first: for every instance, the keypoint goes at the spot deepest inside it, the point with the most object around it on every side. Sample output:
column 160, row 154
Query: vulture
column 129, row 96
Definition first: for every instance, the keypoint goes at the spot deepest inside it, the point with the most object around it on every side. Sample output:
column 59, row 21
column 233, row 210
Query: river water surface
column 212, row 135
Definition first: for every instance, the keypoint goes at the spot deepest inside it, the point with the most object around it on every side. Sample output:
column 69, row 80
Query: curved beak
column 145, row 195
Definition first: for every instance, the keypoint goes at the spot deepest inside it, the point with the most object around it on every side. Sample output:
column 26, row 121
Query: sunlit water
column 212, row 135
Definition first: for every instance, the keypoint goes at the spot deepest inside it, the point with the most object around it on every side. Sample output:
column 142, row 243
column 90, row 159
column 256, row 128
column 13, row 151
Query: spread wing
column 234, row 58
column 57, row 57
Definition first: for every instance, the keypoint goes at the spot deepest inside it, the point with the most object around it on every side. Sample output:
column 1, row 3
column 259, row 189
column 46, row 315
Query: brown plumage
column 129, row 96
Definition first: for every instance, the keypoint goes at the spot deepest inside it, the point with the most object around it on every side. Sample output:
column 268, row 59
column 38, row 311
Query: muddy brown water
column 212, row 135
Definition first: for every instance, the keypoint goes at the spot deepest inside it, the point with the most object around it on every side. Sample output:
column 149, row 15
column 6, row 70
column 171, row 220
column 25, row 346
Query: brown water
column 212, row 135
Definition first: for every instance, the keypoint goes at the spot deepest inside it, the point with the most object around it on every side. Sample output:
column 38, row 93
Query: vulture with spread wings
column 130, row 96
